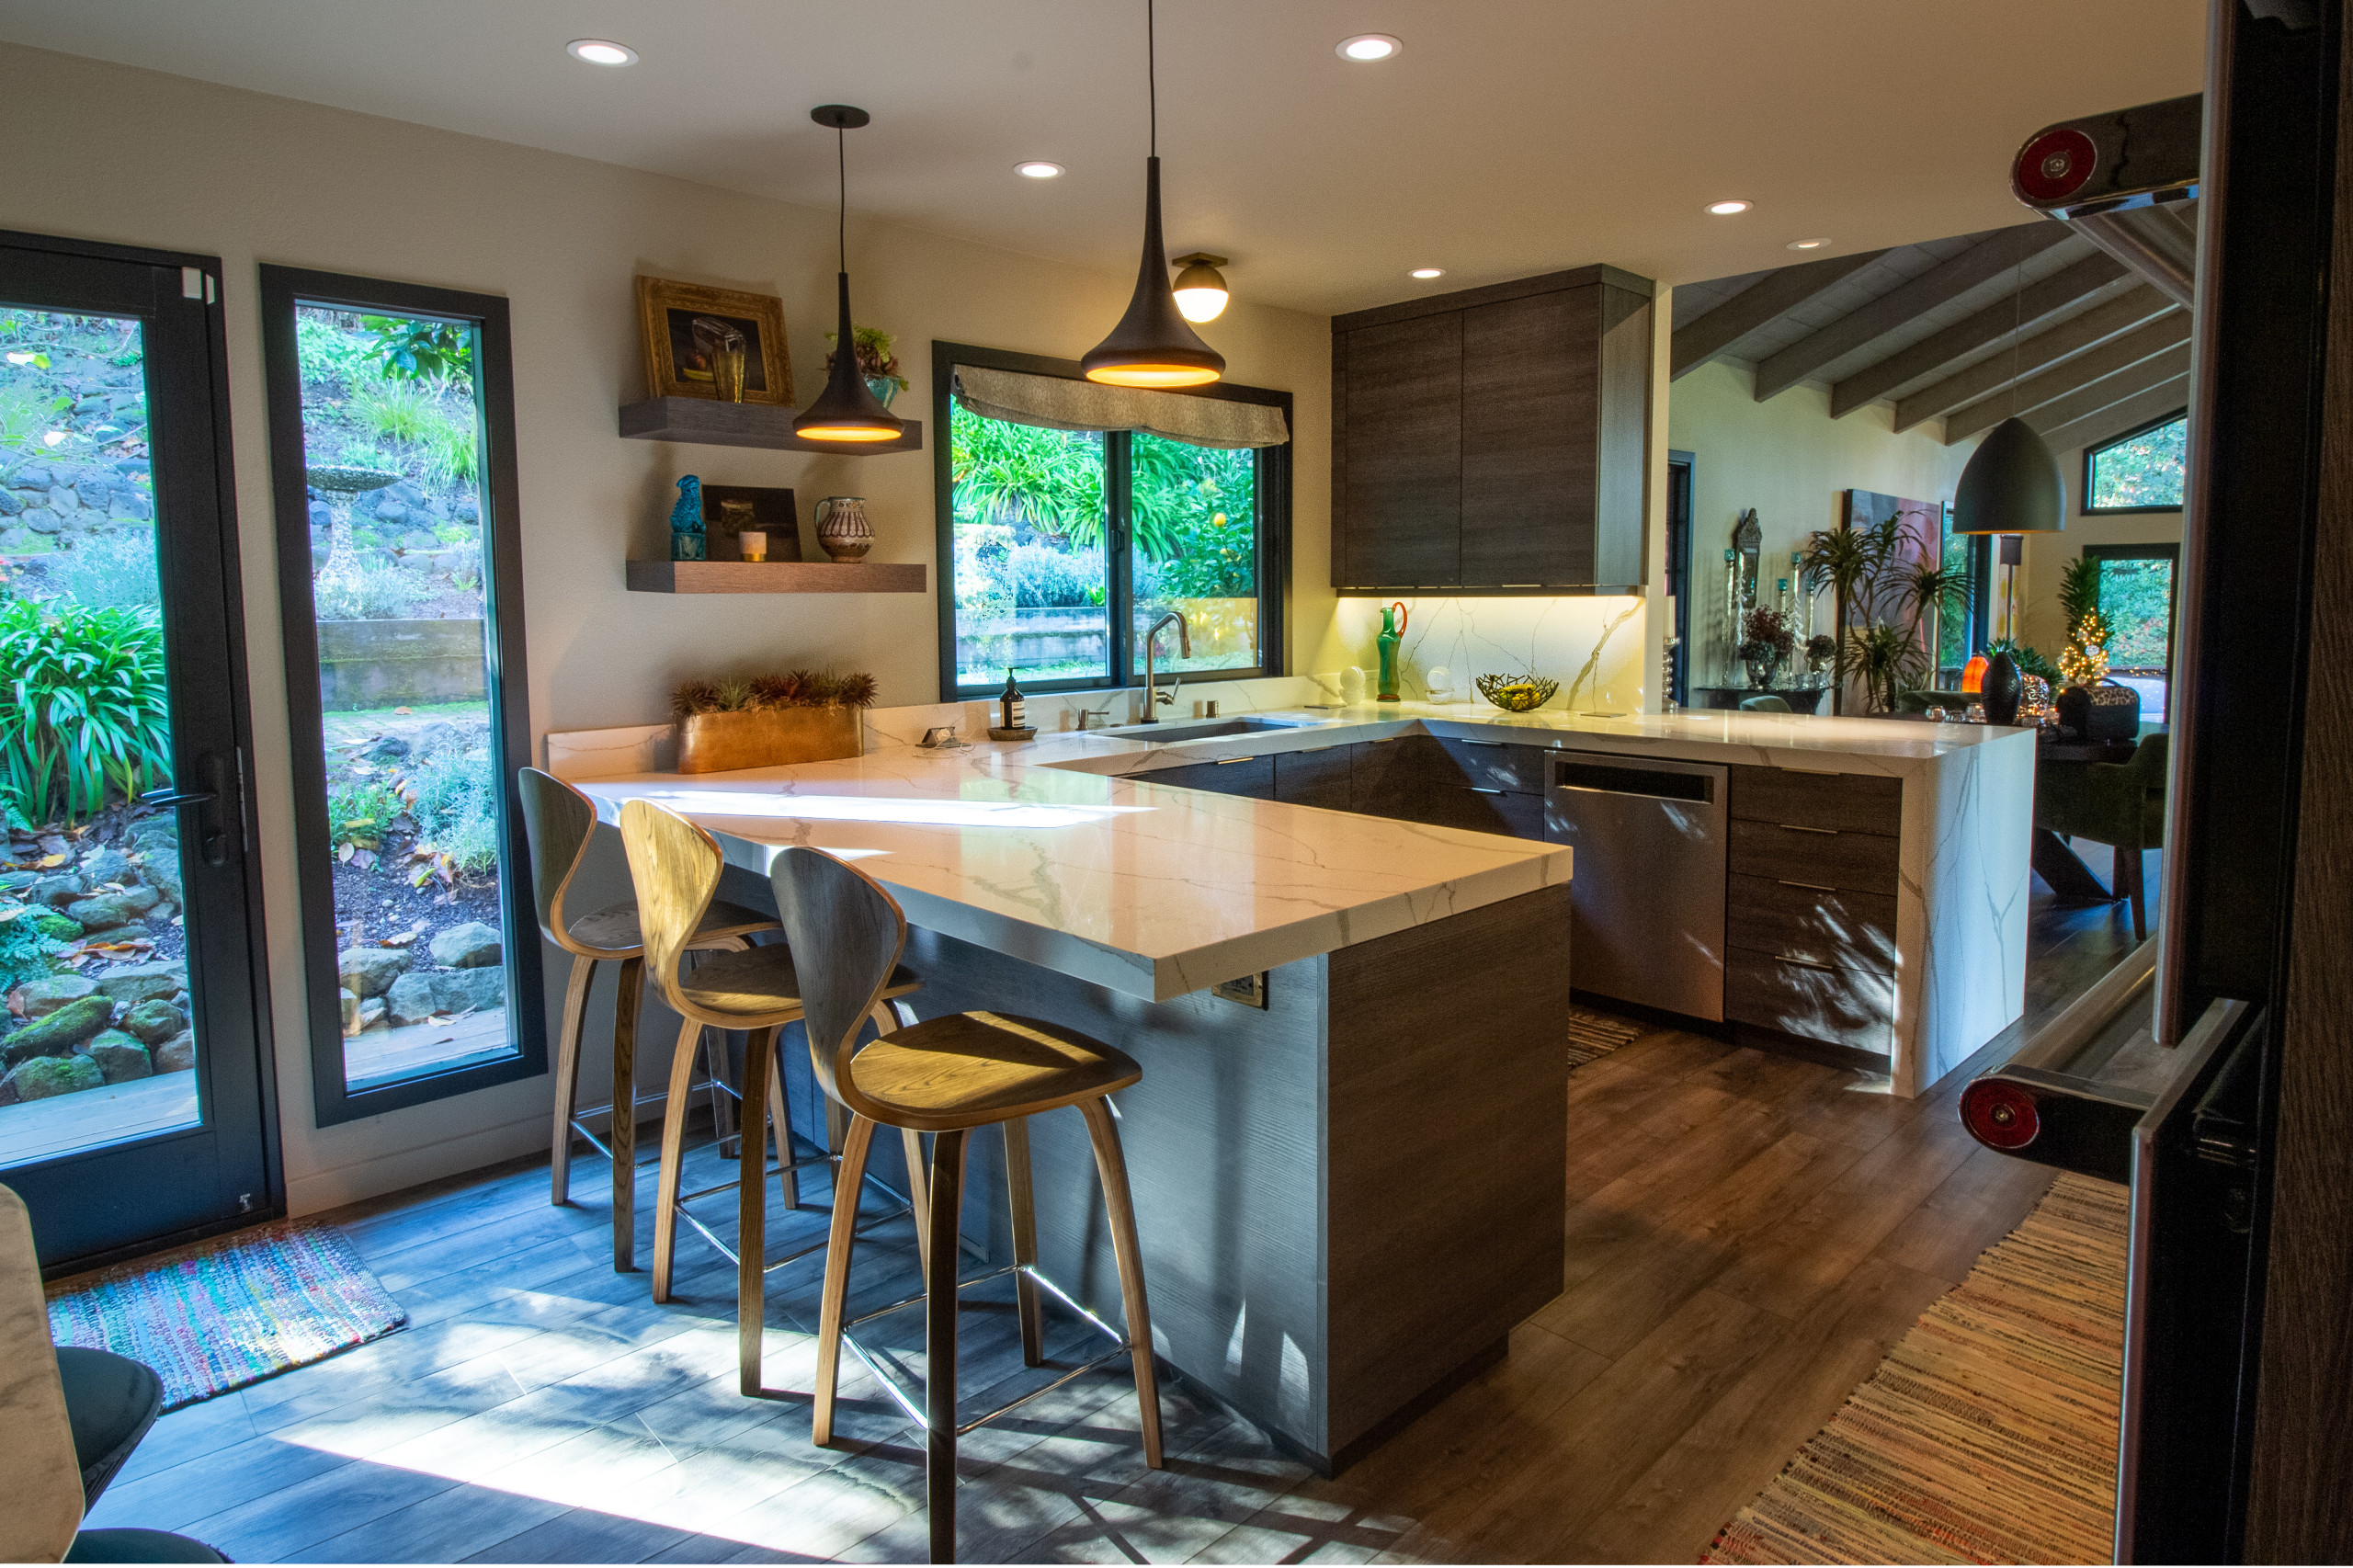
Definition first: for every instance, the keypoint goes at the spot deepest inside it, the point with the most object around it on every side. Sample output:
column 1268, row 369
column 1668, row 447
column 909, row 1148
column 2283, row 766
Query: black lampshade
column 846, row 410
column 1154, row 346
column 2011, row 485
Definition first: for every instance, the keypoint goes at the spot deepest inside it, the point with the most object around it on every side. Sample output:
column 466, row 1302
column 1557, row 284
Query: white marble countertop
column 1061, row 852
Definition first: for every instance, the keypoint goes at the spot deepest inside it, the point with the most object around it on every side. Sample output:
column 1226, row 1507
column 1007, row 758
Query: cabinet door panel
column 1530, row 450
column 1499, row 764
column 1795, row 920
column 1313, row 777
column 1841, row 1007
column 1823, row 857
column 1384, row 776
column 1252, row 776
column 1848, row 802
column 1403, row 444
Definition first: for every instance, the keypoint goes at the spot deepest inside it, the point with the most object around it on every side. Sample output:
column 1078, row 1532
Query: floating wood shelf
column 778, row 576
column 711, row 423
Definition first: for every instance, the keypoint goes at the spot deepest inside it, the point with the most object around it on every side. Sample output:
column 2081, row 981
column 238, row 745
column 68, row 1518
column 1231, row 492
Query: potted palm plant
column 1886, row 588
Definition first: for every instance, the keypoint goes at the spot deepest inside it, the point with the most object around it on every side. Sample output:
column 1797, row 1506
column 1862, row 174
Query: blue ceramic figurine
column 686, row 537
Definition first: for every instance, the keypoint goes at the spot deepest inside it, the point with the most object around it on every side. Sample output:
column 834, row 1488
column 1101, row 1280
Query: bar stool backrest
column 558, row 820
column 676, row 867
column 847, row 933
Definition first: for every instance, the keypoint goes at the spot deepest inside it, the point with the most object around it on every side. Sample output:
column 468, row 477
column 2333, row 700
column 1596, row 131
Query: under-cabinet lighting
column 1730, row 208
column 601, row 51
column 1038, row 168
column 1366, row 48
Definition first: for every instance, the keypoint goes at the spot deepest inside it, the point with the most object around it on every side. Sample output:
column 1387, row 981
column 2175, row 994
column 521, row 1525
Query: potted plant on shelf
column 1766, row 643
column 877, row 366
column 1885, row 586
column 768, row 721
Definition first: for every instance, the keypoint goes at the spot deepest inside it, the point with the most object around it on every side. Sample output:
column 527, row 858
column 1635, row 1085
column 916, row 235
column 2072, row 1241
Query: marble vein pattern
column 1061, row 851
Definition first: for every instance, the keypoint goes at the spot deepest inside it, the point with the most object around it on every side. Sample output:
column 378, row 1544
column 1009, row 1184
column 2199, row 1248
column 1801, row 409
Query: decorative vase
column 884, row 389
column 2001, row 688
column 1762, row 671
column 843, row 532
column 1392, row 632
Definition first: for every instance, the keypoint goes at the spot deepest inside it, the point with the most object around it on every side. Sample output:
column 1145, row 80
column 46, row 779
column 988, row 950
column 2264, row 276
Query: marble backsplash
column 1595, row 647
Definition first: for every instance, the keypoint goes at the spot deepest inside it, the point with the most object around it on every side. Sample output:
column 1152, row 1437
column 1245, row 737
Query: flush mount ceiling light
column 1038, row 168
column 845, row 411
column 1366, row 48
column 1427, row 272
column 601, row 51
column 1154, row 346
column 1201, row 292
column 1729, row 209
column 1808, row 244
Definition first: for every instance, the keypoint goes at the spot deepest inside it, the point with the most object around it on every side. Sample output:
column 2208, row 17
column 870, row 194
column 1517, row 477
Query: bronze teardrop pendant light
column 846, row 410
column 1154, row 346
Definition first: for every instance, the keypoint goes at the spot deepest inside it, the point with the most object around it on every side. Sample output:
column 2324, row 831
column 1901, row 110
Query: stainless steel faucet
column 1151, row 693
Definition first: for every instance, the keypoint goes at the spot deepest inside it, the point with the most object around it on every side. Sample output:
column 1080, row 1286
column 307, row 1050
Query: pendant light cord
column 1152, row 76
column 841, row 165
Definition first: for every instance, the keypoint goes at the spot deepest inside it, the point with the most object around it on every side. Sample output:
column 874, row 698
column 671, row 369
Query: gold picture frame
column 683, row 361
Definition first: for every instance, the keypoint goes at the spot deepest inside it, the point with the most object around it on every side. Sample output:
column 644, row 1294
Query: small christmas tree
column 2084, row 661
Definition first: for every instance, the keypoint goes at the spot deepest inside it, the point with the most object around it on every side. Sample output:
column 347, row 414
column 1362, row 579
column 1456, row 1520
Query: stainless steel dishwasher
column 1648, row 882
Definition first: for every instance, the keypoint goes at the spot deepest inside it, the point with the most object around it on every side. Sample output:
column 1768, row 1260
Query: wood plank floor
column 1747, row 1235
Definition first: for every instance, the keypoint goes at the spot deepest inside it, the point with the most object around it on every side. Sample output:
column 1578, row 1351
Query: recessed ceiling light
column 1727, row 208
column 1038, row 168
column 1808, row 244
column 1367, row 47
column 1427, row 272
column 601, row 51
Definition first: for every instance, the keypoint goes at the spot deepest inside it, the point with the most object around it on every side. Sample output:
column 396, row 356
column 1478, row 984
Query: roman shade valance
column 1057, row 403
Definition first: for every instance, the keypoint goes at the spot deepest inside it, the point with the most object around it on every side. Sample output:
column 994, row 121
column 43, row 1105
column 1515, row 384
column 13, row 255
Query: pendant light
column 1153, row 346
column 846, row 410
column 2011, row 484
column 1201, row 292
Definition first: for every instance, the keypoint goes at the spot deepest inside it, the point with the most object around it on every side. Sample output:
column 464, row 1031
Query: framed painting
column 715, row 343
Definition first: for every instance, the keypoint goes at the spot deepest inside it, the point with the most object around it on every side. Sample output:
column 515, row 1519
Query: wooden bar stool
column 559, row 819
column 676, row 865
column 946, row 1076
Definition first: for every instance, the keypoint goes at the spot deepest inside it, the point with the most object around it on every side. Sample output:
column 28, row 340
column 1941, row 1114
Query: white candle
column 754, row 544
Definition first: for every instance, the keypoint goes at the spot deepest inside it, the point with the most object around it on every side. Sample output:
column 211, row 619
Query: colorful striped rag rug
column 231, row 1310
column 1989, row 1433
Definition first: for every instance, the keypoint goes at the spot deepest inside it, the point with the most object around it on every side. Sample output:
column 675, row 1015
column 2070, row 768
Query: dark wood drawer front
column 1492, row 764
column 1381, row 774
column 1479, row 810
column 1313, row 777
column 1822, row 925
column 1848, row 802
column 1841, row 1007
column 1251, row 776
column 1852, row 863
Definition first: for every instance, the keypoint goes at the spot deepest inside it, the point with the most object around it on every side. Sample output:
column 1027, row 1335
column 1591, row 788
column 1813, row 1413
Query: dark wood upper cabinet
column 1493, row 440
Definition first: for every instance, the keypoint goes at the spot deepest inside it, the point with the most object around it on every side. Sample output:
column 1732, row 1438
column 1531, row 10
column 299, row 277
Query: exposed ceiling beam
column 2109, row 390
column 2073, row 335
column 2116, row 354
column 1780, row 291
column 2107, row 424
column 2062, row 288
column 1940, row 285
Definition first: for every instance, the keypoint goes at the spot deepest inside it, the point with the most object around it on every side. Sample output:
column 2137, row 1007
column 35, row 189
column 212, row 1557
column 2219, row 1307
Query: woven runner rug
column 1595, row 1035
column 231, row 1310
column 1989, row 1433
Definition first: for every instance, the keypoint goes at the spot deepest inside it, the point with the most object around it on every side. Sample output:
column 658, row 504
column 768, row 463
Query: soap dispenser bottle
column 1010, row 707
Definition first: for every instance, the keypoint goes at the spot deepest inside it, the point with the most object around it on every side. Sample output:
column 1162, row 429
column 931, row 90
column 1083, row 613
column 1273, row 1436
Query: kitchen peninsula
column 1346, row 1140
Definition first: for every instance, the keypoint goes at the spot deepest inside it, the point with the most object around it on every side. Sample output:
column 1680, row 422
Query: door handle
column 1810, row 887
column 183, row 798
column 1807, row 964
column 1481, row 790
column 1795, row 827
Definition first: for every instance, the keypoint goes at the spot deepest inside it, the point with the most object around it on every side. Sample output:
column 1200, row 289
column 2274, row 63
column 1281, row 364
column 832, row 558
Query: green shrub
column 376, row 591
column 26, row 412
column 108, row 569
column 84, row 708
column 25, row 948
column 358, row 814
column 454, row 797
column 334, row 358
column 416, row 417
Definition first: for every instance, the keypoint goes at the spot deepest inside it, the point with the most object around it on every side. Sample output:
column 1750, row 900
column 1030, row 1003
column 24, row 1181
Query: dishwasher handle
column 1590, row 773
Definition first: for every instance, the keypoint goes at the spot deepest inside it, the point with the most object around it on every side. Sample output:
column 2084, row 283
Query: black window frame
column 2155, row 552
column 282, row 289
column 1273, row 487
column 2092, row 453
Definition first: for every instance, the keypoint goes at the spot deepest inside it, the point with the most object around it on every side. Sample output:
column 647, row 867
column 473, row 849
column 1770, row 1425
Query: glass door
column 136, row 1098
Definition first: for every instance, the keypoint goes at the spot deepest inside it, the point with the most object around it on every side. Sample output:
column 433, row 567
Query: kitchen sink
column 1200, row 730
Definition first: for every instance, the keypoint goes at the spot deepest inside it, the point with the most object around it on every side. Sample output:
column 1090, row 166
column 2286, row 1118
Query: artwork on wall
column 713, row 343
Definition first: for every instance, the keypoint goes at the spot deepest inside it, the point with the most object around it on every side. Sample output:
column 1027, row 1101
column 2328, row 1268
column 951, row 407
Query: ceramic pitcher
column 843, row 532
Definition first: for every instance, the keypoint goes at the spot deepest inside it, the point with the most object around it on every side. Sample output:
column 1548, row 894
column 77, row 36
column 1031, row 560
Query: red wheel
column 1999, row 1115
column 2054, row 166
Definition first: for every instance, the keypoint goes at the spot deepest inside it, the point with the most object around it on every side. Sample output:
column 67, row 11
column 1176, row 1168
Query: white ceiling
column 1510, row 137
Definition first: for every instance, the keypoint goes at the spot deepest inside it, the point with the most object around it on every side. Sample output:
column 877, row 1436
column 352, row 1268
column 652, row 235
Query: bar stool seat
column 615, row 931
column 976, row 1069
column 754, row 983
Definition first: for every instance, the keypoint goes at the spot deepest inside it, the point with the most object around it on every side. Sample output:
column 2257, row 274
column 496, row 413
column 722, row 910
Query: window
column 391, row 425
column 1052, row 538
column 2142, row 471
column 2137, row 595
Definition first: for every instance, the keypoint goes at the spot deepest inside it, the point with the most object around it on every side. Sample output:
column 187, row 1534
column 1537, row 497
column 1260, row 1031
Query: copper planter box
column 768, row 737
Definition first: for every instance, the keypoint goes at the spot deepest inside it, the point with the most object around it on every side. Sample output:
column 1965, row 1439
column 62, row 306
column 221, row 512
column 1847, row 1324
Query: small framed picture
column 771, row 512
column 715, row 343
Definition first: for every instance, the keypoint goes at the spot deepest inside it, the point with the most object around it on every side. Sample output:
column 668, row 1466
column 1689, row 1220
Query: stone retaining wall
column 390, row 664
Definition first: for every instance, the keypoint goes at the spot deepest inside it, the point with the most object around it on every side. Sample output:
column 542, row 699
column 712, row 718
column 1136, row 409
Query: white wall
column 109, row 152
